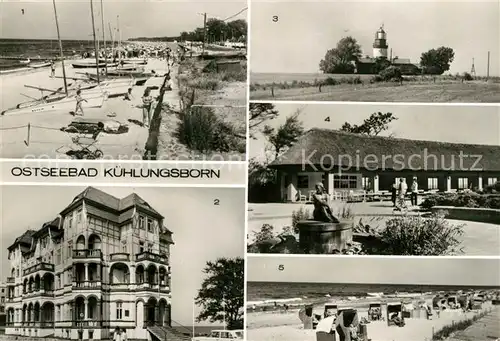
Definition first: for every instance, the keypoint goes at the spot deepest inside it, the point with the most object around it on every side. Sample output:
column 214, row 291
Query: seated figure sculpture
column 322, row 211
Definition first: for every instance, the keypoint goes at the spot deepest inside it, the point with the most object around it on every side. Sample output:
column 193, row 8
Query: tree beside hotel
column 222, row 292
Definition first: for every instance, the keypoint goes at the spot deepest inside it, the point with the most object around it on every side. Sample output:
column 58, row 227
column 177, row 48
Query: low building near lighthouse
column 372, row 65
column 347, row 162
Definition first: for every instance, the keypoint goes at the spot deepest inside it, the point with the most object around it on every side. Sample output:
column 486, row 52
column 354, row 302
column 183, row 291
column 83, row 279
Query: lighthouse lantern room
column 380, row 44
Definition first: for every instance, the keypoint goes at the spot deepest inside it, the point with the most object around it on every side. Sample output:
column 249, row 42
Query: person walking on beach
column 79, row 101
column 414, row 192
column 147, row 101
column 52, row 69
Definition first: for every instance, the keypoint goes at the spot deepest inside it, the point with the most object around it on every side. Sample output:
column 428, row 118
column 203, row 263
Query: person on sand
column 147, row 101
column 128, row 95
column 79, row 101
column 354, row 332
column 397, row 320
column 322, row 211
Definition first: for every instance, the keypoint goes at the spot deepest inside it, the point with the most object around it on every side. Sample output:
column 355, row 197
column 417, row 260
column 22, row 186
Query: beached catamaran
column 58, row 100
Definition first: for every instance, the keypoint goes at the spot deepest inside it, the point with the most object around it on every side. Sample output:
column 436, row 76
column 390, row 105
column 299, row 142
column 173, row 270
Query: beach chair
column 395, row 308
column 375, row 311
column 346, row 318
column 306, row 317
column 330, row 309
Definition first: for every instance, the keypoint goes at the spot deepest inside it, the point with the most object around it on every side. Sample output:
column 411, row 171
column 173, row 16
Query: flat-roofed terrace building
column 347, row 162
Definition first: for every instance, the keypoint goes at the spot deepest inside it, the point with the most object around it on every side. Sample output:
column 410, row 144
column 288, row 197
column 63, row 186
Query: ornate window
column 119, row 310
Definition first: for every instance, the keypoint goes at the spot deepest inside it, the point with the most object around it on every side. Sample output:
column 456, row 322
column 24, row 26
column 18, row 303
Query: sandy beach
column 46, row 140
column 275, row 326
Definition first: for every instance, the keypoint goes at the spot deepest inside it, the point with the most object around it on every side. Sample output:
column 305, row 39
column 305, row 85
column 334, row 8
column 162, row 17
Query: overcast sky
column 138, row 18
column 444, row 123
column 201, row 231
column 305, row 30
column 381, row 270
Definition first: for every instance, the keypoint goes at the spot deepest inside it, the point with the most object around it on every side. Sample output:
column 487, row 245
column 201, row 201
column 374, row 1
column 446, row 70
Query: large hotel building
column 102, row 263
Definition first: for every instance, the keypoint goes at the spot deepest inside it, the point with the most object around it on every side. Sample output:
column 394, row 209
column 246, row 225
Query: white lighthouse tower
column 380, row 44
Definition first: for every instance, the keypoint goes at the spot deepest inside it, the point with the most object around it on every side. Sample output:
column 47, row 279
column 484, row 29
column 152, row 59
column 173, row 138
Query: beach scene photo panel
column 372, row 298
column 115, row 80
column 375, row 51
column 386, row 179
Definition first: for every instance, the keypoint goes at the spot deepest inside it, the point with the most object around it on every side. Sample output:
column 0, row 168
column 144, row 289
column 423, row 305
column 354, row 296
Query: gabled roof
column 53, row 225
column 24, row 240
column 320, row 142
column 99, row 197
column 116, row 205
column 135, row 200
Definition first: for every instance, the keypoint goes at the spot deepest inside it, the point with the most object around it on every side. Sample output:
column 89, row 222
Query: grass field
column 413, row 89
column 268, row 78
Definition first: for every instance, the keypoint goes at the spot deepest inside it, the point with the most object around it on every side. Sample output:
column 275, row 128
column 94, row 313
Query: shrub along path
column 479, row 239
column 486, row 328
column 190, row 86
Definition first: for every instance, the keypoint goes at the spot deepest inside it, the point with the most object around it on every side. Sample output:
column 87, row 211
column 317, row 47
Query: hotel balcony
column 87, row 285
column 119, row 257
column 87, row 323
column 146, row 255
column 155, row 287
column 38, row 292
column 88, row 254
column 41, row 266
column 37, row 324
column 11, row 280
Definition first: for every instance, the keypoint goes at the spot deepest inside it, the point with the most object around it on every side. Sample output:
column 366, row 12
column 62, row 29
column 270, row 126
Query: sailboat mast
column 112, row 42
column 104, row 40
column 95, row 41
column 60, row 49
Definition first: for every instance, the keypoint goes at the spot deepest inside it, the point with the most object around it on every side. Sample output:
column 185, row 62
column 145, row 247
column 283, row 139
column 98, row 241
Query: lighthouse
column 380, row 44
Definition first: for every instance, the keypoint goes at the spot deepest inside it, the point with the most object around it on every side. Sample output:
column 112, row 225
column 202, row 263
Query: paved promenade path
column 485, row 329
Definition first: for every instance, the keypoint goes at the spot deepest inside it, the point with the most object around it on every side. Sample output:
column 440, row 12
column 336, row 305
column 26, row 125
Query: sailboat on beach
column 58, row 100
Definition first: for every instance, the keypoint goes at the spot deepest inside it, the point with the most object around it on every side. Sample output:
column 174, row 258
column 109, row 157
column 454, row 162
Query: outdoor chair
column 302, row 197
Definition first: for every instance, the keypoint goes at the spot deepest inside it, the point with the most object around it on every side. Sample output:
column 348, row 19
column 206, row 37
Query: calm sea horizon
column 259, row 291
